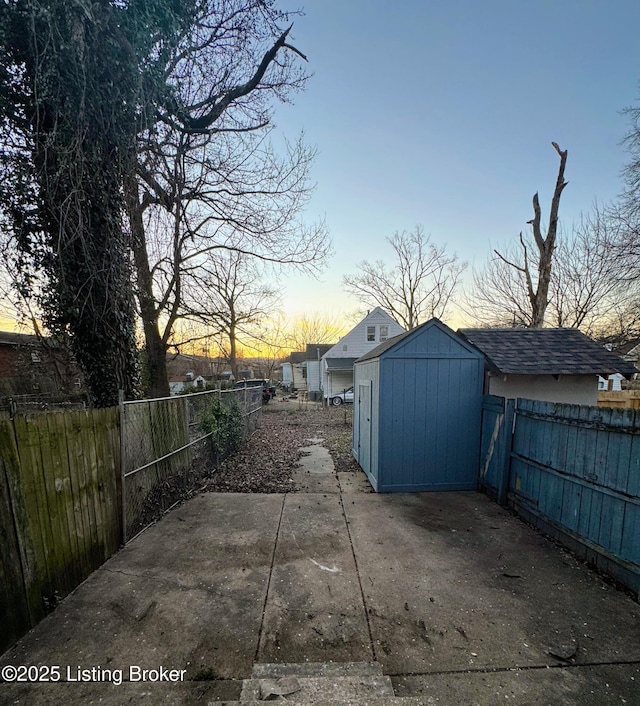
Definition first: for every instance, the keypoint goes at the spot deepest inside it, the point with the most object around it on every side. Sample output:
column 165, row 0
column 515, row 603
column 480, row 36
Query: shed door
column 430, row 434
column 364, row 427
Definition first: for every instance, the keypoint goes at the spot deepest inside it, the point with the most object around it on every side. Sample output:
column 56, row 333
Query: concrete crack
column 266, row 594
column 355, row 561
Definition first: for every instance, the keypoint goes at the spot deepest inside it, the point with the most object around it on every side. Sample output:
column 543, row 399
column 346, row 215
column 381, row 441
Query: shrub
column 225, row 422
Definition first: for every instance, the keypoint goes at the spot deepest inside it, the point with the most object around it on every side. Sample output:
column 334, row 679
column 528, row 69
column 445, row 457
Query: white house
column 336, row 364
column 611, row 383
column 294, row 372
column 313, row 361
column 182, row 382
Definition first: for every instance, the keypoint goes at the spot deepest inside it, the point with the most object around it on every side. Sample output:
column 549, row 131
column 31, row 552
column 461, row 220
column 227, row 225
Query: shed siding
column 426, row 411
column 569, row 389
column 434, row 341
column 430, row 439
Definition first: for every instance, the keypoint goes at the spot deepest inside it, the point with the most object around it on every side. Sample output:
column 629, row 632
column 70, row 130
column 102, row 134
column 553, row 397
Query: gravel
column 267, row 461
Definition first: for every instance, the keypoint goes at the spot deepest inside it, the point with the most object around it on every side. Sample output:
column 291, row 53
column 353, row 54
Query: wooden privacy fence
column 619, row 398
column 573, row 471
column 63, row 511
column 59, row 509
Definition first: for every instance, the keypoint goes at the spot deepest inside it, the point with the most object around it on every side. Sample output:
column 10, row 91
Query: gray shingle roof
column 11, row 338
column 547, row 351
column 297, row 357
column 334, row 364
column 312, row 349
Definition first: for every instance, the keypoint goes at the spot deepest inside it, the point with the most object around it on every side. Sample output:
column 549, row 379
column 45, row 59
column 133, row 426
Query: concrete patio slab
column 454, row 582
column 452, row 597
column 314, row 610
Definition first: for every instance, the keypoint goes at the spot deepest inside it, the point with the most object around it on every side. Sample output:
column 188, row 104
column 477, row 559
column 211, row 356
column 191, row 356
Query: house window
column 371, row 334
column 345, row 347
column 384, row 333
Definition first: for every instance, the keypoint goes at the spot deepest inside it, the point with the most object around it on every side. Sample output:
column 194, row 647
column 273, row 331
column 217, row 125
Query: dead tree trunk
column 538, row 295
column 546, row 246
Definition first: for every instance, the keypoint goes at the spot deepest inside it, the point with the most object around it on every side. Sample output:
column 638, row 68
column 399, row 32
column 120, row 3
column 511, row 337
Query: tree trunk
column 157, row 379
column 233, row 351
column 546, row 246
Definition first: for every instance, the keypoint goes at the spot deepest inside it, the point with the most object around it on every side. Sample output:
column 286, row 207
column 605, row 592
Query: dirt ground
column 276, row 443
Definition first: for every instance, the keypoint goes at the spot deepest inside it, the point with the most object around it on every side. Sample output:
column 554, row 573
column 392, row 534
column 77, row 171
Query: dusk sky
column 442, row 113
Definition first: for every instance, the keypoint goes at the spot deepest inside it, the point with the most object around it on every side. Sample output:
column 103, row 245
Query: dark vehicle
column 268, row 390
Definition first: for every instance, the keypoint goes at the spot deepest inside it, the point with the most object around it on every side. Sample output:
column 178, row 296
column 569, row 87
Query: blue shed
column 417, row 411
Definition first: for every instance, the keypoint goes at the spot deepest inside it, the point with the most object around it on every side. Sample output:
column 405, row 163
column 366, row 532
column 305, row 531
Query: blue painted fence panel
column 495, row 446
column 574, row 471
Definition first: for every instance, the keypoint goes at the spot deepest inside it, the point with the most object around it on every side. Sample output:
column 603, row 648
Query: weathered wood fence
column 619, row 398
column 572, row 471
column 59, row 509
column 63, row 511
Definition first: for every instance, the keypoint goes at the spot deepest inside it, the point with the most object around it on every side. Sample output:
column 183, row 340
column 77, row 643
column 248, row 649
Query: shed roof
column 335, row 364
column 546, row 351
column 392, row 342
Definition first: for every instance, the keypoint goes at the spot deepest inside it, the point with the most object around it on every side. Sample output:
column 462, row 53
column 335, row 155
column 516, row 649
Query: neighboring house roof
column 11, row 338
column 546, row 351
column 335, row 364
column 189, row 376
column 633, row 354
column 355, row 341
column 312, row 350
column 297, row 357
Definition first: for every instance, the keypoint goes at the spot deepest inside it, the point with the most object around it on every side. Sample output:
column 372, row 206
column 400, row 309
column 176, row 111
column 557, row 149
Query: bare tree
column 540, row 268
column 231, row 297
column 313, row 327
column 499, row 296
column 629, row 208
column 419, row 285
column 207, row 177
column 589, row 281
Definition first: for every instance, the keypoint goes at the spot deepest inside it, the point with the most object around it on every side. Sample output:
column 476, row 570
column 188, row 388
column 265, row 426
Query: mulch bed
column 267, row 461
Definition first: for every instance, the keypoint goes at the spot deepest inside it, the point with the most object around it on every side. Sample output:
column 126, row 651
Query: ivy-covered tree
column 68, row 81
column 159, row 110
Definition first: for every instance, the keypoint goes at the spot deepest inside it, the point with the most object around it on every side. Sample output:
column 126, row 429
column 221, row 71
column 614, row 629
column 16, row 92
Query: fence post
column 187, row 431
column 507, row 430
column 123, row 487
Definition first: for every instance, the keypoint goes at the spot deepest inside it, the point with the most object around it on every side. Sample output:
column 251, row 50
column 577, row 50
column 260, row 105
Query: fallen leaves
column 265, row 464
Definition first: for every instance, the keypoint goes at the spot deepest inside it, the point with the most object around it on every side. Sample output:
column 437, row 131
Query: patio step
column 322, row 684
column 275, row 670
